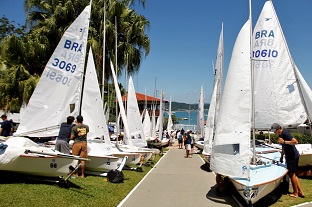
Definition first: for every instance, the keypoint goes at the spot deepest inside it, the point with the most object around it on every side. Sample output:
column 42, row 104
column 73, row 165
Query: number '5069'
column 63, row 65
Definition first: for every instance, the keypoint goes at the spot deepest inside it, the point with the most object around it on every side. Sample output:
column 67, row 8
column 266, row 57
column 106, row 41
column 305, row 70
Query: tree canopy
column 24, row 54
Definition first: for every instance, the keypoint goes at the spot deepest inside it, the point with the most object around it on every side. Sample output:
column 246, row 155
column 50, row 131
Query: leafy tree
column 7, row 28
column 47, row 20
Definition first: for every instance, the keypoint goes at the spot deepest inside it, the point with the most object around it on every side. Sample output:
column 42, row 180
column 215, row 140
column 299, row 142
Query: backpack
column 115, row 176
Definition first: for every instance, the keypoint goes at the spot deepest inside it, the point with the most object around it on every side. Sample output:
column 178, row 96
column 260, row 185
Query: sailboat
column 101, row 154
column 254, row 172
column 200, row 117
column 199, row 143
column 138, row 140
column 159, row 125
column 209, row 129
column 147, row 125
column 48, row 106
column 169, row 129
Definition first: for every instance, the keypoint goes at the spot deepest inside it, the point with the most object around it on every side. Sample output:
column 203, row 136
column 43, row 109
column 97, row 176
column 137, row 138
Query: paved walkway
column 177, row 181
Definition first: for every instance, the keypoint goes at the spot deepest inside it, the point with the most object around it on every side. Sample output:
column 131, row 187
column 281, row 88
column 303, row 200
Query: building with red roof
column 146, row 101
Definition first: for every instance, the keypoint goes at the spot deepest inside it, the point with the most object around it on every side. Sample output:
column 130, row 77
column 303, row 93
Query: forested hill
column 184, row 106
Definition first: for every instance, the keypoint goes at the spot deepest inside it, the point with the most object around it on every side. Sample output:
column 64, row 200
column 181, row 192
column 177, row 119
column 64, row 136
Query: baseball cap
column 275, row 126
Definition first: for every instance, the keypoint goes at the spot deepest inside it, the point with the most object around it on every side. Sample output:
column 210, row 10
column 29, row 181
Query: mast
column 104, row 38
column 84, row 70
column 252, row 93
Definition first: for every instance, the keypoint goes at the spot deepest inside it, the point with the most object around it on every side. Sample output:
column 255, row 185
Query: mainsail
column 170, row 124
column 57, row 94
column 134, row 118
column 200, row 117
column 277, row 92
column 92, row 107
column 215, row 98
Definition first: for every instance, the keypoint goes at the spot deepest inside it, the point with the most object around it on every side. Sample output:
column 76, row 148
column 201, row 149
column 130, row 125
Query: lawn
column 18, row 191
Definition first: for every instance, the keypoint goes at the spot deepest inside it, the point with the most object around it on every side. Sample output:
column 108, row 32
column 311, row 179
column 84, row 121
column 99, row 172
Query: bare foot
column 293, row 195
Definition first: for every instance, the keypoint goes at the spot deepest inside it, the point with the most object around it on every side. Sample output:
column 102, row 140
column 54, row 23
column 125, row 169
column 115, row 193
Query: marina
column 64, row 71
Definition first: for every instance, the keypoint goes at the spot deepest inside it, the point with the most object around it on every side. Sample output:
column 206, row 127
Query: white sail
column 92, row 107
column 200, row 116
column 215, row 98
column 306, row 92
column 123, row 115
column 277, row 95
column 210, row 123
column 170, row 124
column 159, row 124
column 153, row 122
column 60, row 83
column 134, row 118
column 231, row 147
column 147, row 125
column 218, row 76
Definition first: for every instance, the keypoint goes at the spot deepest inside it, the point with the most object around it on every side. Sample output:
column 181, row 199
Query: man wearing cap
column 6, row 126
column 79, row 135
column 292, row 157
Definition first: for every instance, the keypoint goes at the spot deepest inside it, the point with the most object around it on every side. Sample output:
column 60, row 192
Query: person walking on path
column 180, row 140
column 188, row 141
column 292, row 157
column 6, row 126
column 62, row 142
column 79, row 135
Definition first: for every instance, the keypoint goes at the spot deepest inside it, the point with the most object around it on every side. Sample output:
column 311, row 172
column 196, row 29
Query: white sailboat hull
column 38, row 165
column 264, row 178
column 146, row 153
column 260, row 189
column 103, row 163
column 305, row 151
column 21, row 155
column 199, row 144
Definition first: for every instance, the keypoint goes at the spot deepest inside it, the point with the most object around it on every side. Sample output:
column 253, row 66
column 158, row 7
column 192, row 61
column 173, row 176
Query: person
column 188, row 140
column 6, row 126
column 292, row 157
column 62, row 142
column 180, row 139
column 79, row 135
column 182, row 131
column 261, row 136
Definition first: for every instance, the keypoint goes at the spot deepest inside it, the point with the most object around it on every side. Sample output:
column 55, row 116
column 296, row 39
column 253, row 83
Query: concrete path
column 177, row 181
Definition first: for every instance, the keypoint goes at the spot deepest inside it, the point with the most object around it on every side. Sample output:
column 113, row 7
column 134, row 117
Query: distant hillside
column 175, row 106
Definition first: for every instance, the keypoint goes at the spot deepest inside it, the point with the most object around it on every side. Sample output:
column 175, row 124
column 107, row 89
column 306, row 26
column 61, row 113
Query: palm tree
column 47, row 20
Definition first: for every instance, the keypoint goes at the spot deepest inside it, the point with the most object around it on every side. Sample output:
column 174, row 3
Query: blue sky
column 184, row 38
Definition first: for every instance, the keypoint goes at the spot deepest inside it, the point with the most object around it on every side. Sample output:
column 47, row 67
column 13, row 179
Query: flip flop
column 292, row 195
column 300, row 195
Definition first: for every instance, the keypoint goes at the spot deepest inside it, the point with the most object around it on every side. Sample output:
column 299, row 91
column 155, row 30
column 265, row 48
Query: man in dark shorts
column 62, row 142
column 292, row 157
column 79, row 135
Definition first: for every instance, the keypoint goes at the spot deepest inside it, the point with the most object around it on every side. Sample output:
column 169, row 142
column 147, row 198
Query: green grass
column 18, row 191
column 280, row 199
column 94, row 191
